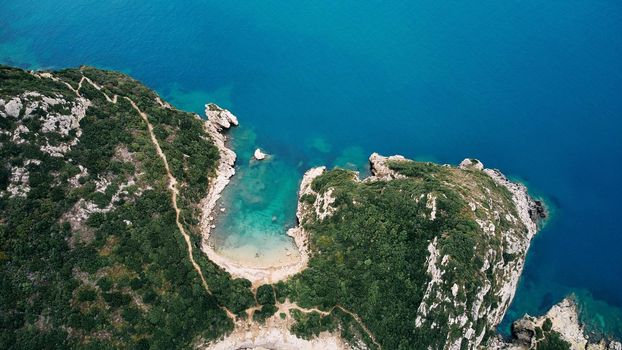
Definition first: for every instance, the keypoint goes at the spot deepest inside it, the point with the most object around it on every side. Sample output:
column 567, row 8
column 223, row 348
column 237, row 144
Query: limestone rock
column 380, row 169
column 259, row 155
column 471, row 163
column 564, row 319
column 220, row 116
column 524, row 331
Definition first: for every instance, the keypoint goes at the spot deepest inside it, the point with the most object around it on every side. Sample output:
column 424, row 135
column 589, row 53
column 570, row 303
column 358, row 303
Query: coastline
column 218, row 122
column 564, row 319
column 529, row 212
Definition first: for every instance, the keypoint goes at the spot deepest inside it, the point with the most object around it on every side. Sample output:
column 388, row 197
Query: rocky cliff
column 470, row 226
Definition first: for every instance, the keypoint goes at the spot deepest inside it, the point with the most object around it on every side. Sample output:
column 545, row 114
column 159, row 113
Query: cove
column 260, row 204
column 528, row 87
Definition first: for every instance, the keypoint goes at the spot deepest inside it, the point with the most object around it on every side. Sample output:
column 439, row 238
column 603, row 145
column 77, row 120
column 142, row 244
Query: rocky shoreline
column 528, row 211
column 563, row 319
column 218, row 121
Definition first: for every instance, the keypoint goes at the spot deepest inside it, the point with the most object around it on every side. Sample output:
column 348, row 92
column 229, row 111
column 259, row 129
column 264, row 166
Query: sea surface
column 533, row 88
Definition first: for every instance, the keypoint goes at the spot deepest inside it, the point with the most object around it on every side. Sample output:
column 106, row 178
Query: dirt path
column 172, row 181
column 172, row 186
column 360, row 322
column 287, row 305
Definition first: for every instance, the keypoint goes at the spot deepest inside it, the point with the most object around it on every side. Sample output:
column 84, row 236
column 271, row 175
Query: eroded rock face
column 380, row 169
column 298, row 233
column 218, row 120
column 220, row 116
column 56, row 131
column 59, row 120
column 524, row 331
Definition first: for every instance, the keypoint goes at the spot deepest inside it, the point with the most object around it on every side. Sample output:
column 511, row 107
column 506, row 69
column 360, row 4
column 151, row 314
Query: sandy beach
column 246, row 261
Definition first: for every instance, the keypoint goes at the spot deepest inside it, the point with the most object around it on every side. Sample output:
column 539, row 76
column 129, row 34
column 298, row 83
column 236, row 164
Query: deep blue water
column 533, row 88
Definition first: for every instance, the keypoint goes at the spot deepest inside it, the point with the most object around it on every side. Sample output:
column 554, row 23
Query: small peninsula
column 108, row 195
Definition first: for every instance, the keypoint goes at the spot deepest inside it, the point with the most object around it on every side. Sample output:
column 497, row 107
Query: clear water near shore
column 529, row 87
column 260, row 205
column 260, row 202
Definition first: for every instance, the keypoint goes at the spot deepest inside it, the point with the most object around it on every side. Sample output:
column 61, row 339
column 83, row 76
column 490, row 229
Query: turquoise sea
column 533, row 88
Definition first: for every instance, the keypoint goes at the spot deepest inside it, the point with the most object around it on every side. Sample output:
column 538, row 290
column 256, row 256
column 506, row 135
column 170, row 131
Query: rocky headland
column 319, row 205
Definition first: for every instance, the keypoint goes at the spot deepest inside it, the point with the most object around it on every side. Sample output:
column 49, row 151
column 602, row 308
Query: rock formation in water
column 259, row 155
column 559, row 328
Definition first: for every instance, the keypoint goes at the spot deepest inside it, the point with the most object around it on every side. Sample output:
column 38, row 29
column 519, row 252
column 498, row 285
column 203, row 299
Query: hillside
column 93, row 254
column 106, row 198
column 426, row 255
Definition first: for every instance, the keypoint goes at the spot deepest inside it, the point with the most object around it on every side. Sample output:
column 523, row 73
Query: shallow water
column 529, row 87
column 260, row 205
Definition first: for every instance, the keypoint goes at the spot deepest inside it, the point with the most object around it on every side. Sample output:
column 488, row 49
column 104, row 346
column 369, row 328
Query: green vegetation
column 539, row 333
column 311, row 324
column 266, row 311
column 553, row 341
column 266, row 298
column 121, row 279
column 370, row 255
column 91, row 256
column 265, row 294
column 547, row 339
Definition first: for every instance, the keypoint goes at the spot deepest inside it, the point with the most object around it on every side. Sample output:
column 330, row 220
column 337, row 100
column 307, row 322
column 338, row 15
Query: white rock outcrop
column 380, row 169
column 218, row 120
column 220, row 117
column 471, row 163
column 19, row 184
column 259, row 155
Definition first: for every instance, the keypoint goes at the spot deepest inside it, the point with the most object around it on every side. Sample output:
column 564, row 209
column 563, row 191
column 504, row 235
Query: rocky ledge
column 561, row 321
column 218, row 121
